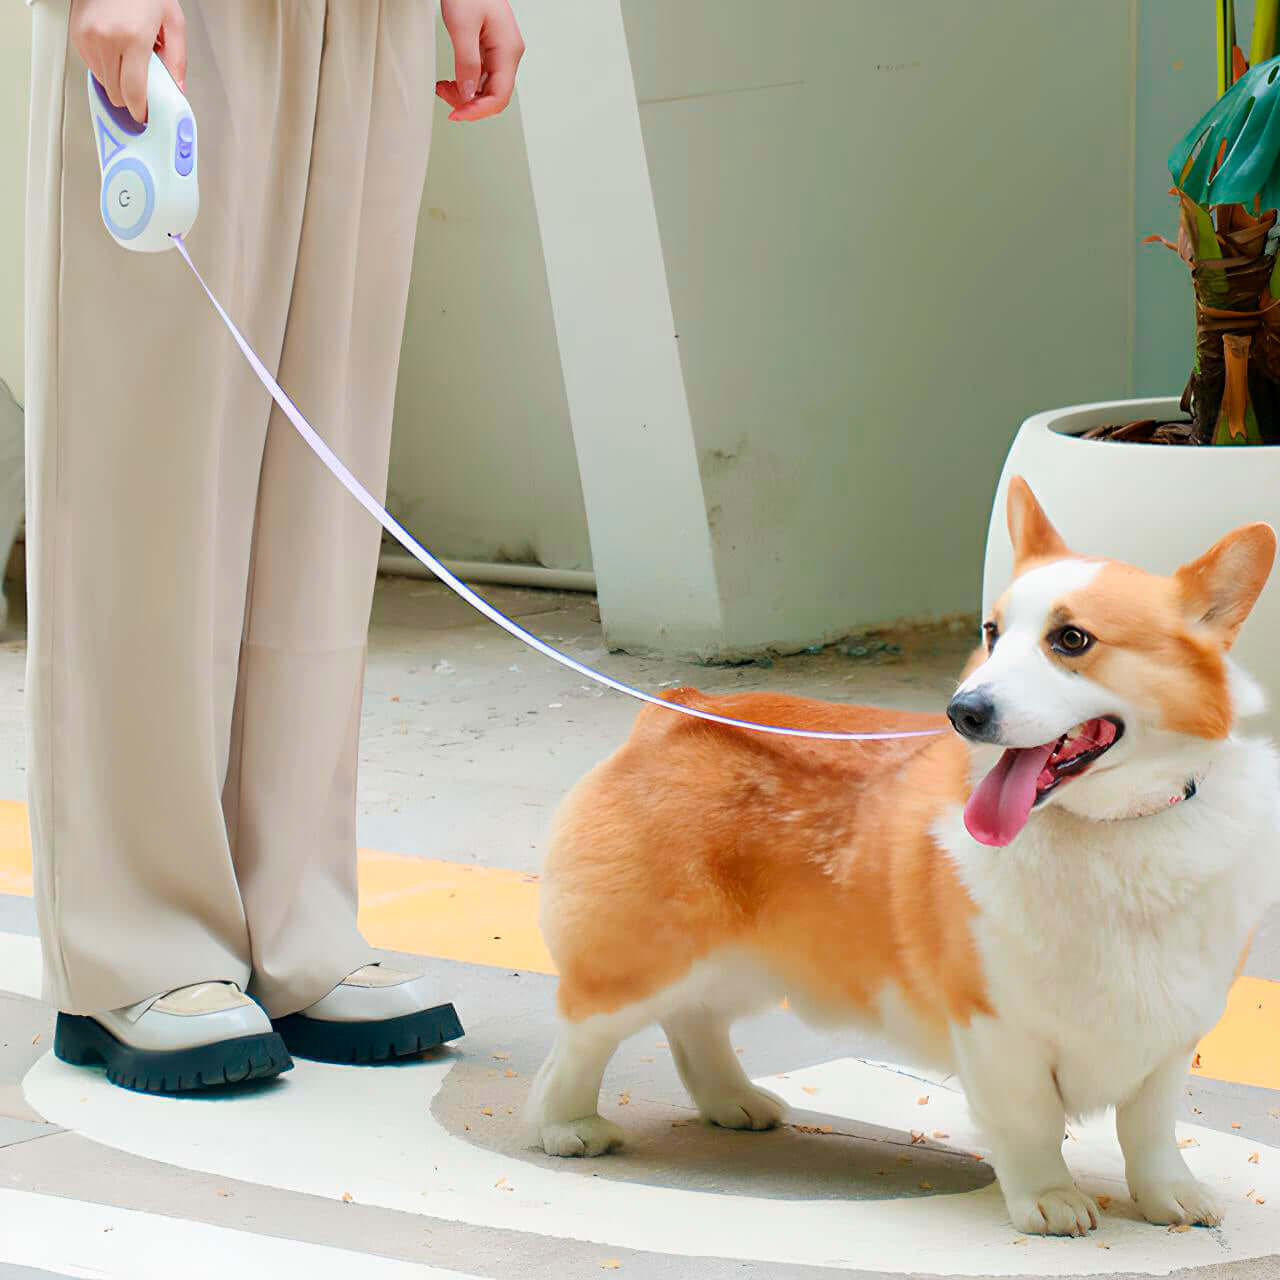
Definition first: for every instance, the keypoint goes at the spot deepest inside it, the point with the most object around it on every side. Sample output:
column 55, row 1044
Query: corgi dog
column 1051, row 900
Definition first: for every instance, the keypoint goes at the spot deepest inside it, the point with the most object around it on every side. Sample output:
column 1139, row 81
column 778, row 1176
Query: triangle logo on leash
column 109, row 146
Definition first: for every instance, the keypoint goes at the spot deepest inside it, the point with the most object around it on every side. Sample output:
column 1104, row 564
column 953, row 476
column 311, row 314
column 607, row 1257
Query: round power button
column 127, row 199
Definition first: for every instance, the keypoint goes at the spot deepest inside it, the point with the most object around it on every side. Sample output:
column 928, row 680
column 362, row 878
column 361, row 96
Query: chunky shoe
column 376, row 1014
column 193, row 1038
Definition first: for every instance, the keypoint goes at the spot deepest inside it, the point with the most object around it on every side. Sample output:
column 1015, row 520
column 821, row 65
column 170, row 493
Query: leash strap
column 455, row 584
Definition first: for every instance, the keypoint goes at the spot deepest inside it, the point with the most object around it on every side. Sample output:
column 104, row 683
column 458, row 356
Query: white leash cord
column 455, row 584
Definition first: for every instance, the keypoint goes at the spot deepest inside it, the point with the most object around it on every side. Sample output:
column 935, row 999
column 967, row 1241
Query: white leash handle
column 362, row 495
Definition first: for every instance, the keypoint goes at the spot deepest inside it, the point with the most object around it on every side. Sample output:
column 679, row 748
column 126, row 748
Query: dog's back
column 814, row 856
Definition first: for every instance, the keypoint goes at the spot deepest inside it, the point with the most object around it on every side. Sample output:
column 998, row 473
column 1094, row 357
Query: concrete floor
column 469, row 743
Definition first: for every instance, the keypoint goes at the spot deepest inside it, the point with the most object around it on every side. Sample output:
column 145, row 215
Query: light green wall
column 891, row 232
column 1175, row 85
column 482, row 463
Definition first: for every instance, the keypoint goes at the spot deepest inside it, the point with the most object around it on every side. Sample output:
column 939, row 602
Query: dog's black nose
column 974, row 715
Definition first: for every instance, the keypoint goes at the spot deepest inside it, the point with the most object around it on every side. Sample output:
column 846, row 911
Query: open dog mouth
column 1002, row 802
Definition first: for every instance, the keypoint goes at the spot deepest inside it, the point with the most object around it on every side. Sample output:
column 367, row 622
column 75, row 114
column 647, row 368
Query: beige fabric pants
column 199, row 586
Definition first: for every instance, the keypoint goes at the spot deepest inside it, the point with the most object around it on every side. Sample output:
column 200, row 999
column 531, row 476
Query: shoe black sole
column 352, row 1043
column 85, row 1042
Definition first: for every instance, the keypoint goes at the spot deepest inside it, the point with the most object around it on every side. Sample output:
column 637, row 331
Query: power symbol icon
column 127, row 198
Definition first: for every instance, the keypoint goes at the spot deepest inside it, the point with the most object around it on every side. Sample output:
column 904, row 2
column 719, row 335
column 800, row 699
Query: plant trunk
column 1232, row 270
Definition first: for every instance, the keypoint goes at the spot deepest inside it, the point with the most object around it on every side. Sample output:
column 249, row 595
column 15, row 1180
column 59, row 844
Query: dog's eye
column 1071, row 641
column 991, row 633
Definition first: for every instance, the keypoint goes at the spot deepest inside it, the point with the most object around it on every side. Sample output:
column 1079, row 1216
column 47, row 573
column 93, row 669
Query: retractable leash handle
column 150, row 172
column 154, row 169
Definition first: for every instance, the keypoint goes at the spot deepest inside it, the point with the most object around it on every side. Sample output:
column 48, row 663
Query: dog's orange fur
column 814, row 856
column 1163, row 636
column 1145, row 644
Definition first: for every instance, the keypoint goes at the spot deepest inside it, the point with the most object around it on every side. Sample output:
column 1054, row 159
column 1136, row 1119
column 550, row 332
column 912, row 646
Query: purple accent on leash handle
column 120, row 116
column 455, row 584
column 109, row 146
column 184, row 148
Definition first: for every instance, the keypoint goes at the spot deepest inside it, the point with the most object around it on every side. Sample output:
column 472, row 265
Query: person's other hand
column 487, row 49
column 115, row 38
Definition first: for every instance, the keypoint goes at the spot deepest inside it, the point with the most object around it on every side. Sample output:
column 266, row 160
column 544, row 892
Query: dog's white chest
column 1109, row 1000
column 1109, row 957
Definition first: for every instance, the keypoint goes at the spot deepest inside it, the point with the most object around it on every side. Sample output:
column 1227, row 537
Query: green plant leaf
column 1244, row 127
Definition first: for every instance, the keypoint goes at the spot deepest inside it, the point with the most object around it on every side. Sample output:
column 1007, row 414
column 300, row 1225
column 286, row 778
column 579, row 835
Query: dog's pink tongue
column 1001, row 805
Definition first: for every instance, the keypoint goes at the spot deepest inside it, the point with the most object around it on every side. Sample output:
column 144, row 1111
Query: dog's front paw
column 590, row 1136
column 749, row 1109
column 1062, row 1211
column 1185, row 1200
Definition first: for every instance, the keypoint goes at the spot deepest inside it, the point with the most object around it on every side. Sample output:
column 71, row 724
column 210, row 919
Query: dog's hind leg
column 704, row 1056
column 562, row 1115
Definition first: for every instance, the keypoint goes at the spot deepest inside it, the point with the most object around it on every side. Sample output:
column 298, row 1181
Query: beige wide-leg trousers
column 199, row 586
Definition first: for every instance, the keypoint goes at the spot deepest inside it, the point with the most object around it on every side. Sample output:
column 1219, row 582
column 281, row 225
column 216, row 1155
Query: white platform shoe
column 373, row 1015
column 194, row 1037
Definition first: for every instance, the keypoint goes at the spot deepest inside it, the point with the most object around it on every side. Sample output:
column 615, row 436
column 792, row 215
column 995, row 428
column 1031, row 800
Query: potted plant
column 1155, row 482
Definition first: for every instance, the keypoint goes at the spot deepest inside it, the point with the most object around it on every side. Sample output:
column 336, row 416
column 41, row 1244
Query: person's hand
column 487, row 49
column 115, row 38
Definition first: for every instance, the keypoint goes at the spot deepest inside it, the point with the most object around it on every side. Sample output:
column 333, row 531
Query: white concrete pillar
column 651, row 545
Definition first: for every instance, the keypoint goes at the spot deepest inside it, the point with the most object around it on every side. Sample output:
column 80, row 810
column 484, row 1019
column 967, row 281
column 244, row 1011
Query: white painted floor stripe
column 20, row 964
column 81, row 1239
column 328, row 1130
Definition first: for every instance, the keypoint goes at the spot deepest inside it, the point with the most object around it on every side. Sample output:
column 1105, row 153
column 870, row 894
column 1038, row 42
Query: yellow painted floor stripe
column 489, row 916
column 1245, row 1045
column 15, row 849
column 480, row 915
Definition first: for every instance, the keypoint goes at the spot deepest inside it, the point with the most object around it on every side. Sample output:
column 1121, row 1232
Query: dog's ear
column 1219, row 589
column 1030, row 531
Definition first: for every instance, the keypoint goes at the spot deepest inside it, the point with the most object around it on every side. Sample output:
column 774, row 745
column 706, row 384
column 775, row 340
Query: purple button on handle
column 184, row 156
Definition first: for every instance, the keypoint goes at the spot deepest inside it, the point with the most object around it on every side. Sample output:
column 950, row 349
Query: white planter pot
column 1155, row 506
